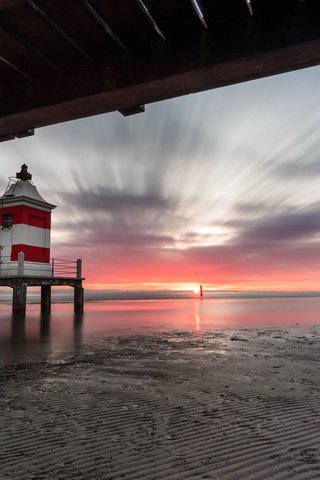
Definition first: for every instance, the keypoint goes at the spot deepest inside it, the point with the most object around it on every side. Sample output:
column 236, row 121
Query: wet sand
column 221, row 405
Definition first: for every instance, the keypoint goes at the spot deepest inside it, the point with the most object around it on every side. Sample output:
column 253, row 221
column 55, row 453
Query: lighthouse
column 25, row 228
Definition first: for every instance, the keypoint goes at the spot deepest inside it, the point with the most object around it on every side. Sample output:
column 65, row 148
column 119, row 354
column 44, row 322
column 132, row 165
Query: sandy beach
column 220, row 405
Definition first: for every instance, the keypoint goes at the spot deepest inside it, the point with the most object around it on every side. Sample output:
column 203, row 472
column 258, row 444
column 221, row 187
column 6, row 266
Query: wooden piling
column 19, row 298
column 45, row 298
column 78, row 298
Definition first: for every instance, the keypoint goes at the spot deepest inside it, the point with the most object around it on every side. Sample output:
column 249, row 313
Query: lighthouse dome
column 24, row 188
column 22, row 191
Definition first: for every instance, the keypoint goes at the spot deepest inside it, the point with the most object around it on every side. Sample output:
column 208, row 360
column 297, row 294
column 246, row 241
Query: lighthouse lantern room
column 25, row 228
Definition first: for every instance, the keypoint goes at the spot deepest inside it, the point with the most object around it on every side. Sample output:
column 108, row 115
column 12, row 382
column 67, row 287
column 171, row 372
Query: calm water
column 53, row 337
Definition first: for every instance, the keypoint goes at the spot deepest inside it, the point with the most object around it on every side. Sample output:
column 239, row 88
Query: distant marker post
column 201, row 291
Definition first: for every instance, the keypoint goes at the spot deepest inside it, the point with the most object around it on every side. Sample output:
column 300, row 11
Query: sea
column 36, row 337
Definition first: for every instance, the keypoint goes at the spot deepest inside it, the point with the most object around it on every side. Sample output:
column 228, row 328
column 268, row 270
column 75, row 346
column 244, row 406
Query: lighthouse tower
column 25, row 222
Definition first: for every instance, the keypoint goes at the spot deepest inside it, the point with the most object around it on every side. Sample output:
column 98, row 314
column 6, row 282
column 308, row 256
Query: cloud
column 280, row 247
column 108, row 200
column 299, row 169
column 289, row 226
column 221, row 186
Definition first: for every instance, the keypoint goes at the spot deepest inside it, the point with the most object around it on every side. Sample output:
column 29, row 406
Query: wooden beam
column 26, row 133
column 9, row 4
column 26, row 43
column 150, row 18
column 236, row 47
column 57, row 28
column 14, row 67
column 6, row 138
column 199, row 12
column 190, row 81
column 126, row 112
column 104, row 24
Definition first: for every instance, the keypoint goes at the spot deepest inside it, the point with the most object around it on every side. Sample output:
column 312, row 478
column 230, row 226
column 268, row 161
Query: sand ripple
column 231, row 406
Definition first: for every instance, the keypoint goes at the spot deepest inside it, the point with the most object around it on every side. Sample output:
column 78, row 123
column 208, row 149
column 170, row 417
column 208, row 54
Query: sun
column 192, row 287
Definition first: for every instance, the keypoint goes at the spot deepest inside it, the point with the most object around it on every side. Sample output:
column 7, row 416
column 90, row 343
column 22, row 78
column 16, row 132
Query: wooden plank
column 57, row 27
column 176, row 18
column 7, row 76
column 23, row 41
column 73, row 17
column 216, row 11
column 128, row 22
column 21, row 56
column 13, row 66
column 275, row 11
column 101, row 21
column 10, row 4
column 199, row 79
column 25, row 21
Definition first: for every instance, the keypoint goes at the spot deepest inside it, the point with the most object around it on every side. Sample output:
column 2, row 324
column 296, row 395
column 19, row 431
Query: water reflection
column 51, row 336
column 198, row 315
column 77, row 330
column 18, row 329
column 39, row 336
column 45, row 319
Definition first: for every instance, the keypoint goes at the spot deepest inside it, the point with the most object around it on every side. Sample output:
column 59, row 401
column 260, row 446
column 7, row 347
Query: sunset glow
column 219, row 188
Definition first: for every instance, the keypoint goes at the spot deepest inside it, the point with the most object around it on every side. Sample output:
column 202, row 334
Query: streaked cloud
column 220, row 187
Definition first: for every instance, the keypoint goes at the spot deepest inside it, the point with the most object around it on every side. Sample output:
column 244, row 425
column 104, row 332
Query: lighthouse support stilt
column 78, row 298
column 19, row 299
column 19, row 286
column 45, row 298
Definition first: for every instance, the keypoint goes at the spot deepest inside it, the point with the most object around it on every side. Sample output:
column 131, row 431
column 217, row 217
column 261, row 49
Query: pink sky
column 219, row 188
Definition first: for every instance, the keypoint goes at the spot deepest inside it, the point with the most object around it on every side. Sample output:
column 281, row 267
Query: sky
column 219, row 188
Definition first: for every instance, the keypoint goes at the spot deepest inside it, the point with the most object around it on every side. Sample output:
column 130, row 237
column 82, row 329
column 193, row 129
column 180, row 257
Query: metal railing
column 64, row 268
column 57, row 267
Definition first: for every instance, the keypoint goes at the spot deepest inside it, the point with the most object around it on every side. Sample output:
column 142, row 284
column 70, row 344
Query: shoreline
column 241, row 404
column 61, row 299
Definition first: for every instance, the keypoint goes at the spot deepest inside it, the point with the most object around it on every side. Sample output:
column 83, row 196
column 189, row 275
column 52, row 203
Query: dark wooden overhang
column 66, row 59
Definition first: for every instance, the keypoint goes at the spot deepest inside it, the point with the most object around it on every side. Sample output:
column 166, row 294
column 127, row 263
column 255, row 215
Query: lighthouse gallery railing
column 59, row 267
column 64, row 268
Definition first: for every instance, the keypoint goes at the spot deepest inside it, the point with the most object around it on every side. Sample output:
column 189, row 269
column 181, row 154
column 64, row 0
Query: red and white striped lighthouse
column 25, row 227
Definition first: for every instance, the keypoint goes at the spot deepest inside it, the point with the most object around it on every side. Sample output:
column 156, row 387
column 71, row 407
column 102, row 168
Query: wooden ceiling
column 66, row 59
